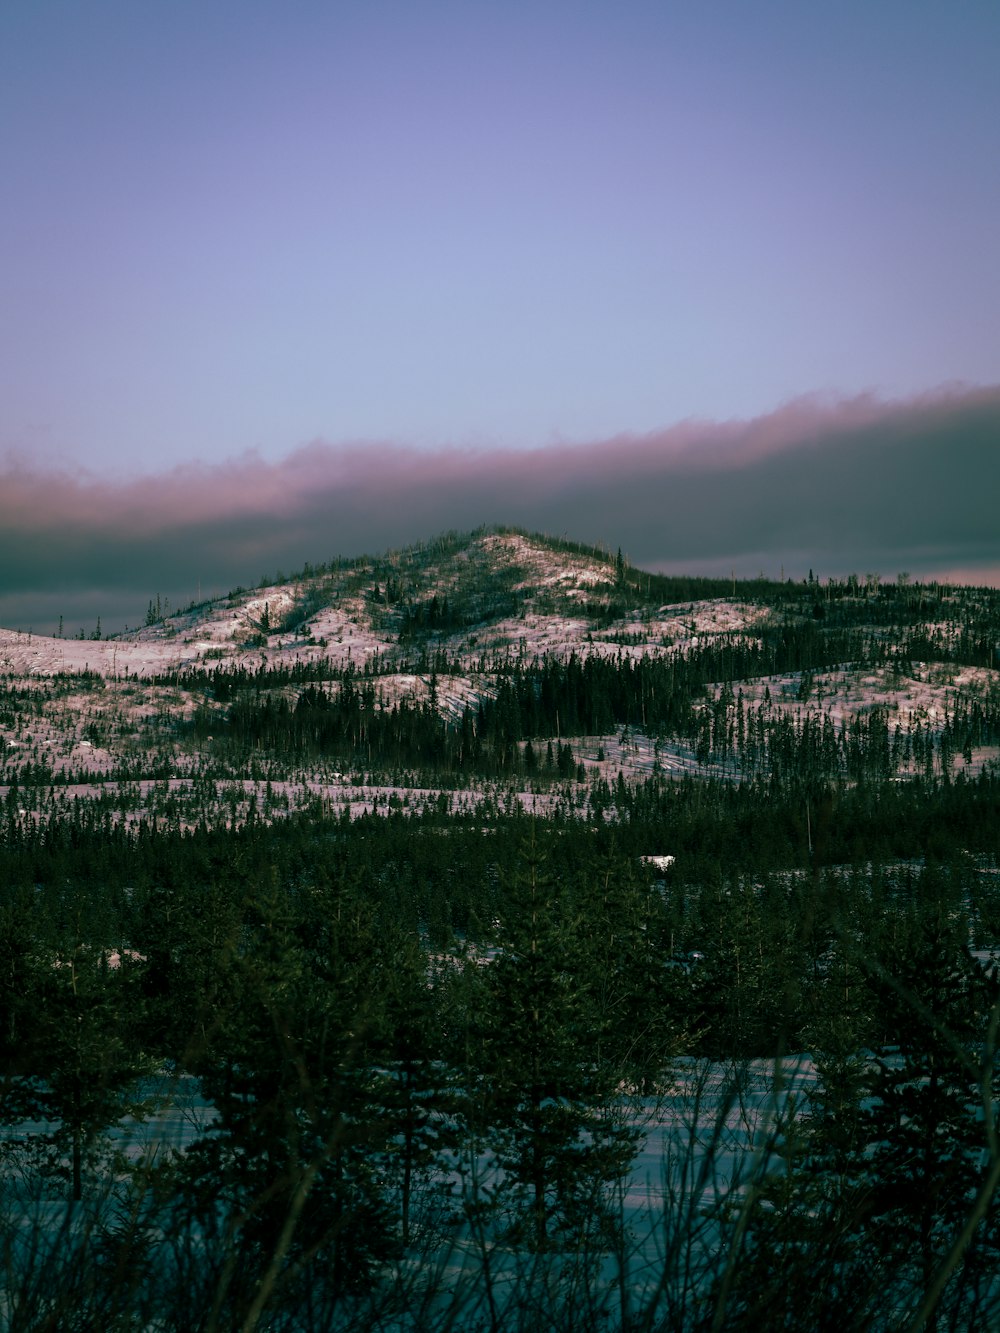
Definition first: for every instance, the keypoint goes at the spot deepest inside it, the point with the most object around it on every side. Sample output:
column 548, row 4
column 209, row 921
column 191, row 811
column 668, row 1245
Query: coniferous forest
column 644, row 980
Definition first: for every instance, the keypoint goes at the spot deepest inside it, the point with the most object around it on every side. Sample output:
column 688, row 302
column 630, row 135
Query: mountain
column 506, row 659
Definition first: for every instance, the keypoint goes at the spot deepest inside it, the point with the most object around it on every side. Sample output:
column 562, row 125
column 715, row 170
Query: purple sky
column 236, row 227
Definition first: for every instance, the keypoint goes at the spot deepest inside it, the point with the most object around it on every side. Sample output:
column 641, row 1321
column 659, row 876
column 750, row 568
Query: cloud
column 836, row 486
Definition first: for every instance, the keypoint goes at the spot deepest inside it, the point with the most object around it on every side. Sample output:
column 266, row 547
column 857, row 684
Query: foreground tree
column 286, row 1183
column 545, row 1095
column 884, row 1212
column 84, row 1051
column 931, row 1125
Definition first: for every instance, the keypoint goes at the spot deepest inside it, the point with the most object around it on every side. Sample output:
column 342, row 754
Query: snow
column 658, row 862
column 704, row 1140
column 926, row 697
column 537, row 560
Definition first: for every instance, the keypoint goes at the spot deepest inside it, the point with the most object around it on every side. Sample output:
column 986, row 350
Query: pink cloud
column 831, row 485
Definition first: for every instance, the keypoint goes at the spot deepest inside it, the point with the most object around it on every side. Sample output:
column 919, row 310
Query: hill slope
column 501, row 657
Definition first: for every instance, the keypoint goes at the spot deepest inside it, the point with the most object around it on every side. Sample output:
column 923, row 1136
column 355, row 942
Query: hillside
column 501, row 660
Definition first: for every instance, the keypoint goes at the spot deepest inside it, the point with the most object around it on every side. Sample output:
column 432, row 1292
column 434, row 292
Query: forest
column 270, row 1066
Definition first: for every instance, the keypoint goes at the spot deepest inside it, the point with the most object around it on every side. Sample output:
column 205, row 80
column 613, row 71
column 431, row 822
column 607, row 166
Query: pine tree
column 418, row 1097
column 290, row 1170
column 889, row 1177
column 639, row 1006
column 924, row 1120
column 83, row 1040
column 542, row 1105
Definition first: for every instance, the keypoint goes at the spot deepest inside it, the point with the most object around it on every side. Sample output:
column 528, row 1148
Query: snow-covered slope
column 442, row 621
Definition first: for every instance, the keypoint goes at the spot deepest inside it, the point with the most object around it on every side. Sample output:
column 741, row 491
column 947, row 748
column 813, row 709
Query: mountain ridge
column 500, row 656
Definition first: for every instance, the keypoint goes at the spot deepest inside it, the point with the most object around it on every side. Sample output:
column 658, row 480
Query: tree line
column 414, row 1020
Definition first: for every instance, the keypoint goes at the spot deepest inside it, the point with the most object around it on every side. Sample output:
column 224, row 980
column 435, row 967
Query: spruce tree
column 288, row 1175
column 931, row 1120
column 83, row 1041
column 544, row 1089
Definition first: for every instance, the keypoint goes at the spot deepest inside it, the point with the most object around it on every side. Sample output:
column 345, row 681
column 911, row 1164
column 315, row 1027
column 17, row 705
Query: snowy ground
column 925, row 697
column 344, row 634
column 703, row 1141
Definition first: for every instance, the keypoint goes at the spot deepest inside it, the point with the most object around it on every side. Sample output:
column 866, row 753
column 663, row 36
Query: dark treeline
column 438, row 875
column 366, row 1003
column 744, row 882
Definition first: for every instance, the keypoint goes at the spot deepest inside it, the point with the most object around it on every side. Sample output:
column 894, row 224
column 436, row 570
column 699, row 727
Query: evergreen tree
column 544, row 1088
column 930, row 1146
column 639, row 999
column 289, row 1172
column 419, row 1097
column 83, row 1043
column 885, row 1201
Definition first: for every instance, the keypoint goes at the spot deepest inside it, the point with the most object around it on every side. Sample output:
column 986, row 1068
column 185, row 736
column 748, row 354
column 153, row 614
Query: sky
column 256, row 259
